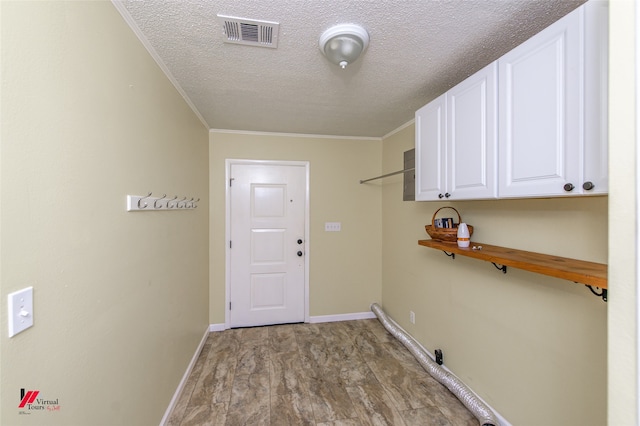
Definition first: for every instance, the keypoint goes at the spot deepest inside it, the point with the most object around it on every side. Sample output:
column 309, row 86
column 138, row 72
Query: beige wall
column 533, row 347
column 120, row 298
column 623, row 219
column 344, row 274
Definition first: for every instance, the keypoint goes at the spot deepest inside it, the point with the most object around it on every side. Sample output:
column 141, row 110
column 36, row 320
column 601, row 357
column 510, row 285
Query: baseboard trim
column 185, row 377
column 217, row 327
column 342, row 317
column 314, row 320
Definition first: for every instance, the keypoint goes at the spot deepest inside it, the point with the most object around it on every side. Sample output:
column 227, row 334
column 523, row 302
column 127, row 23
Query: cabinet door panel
column 472, row 136
column 541, row 97
column 596, row 161
column 430, row 150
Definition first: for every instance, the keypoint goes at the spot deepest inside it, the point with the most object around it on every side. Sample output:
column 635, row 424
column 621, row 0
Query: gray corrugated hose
column 485, row 416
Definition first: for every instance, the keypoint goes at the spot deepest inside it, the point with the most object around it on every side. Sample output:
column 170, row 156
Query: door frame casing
column 227, row 233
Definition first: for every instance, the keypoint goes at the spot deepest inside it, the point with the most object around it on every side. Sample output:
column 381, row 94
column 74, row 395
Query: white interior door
column 267, row 244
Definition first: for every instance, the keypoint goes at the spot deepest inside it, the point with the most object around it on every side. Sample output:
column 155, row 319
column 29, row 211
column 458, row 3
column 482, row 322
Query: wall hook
column 145, row 203
column 169, row 206
column 155, row 203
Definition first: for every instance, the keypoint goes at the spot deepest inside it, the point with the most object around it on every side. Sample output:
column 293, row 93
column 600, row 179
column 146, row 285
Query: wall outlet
column 412, row 317
column 439, row 356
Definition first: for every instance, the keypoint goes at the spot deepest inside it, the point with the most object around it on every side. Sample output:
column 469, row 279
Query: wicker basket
column 447, row 235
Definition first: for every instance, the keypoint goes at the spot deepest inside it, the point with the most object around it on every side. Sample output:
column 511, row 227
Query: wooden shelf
column 579, row 271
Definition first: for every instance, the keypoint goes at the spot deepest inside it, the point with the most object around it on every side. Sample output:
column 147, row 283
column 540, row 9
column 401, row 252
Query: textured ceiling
column 418, row 49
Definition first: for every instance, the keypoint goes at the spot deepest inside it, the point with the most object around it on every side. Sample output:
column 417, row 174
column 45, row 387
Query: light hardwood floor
column 339, row 373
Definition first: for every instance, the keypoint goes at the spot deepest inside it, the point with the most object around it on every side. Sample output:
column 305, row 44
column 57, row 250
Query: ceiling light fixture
column 344, row 43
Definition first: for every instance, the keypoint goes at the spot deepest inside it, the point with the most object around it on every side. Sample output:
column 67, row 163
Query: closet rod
column 388, row 174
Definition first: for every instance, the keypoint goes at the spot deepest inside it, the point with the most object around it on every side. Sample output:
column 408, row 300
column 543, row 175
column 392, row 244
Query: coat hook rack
column 148, row 202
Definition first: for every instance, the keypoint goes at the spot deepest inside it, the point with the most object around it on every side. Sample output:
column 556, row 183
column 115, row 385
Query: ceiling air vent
column 249, row 31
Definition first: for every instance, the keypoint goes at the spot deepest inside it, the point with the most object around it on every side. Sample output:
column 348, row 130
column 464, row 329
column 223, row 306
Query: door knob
column 300, row 253
column 299, row 241
column 568, row 187
column 587, row 186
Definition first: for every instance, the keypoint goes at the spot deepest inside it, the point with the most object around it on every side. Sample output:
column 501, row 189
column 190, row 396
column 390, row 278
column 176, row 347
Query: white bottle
column 463, row 235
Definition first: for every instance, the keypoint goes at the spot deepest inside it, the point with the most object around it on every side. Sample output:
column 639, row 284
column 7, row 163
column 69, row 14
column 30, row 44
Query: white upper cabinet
column 532, row 124
column 456, row 141
column 552, row 109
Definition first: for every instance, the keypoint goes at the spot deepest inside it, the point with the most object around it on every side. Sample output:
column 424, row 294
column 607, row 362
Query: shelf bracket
column 502, row 268
column 451, row 255
column 603, row 292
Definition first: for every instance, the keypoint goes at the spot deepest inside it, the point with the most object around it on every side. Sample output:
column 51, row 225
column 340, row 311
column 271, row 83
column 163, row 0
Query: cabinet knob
column 568, row 187
column 299, row 241
column 440, row 196
column 299, row 253
column 588, row 186
column 447, row 195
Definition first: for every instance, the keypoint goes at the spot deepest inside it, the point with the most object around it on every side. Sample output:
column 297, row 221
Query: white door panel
column 268, row 201
column 268, row 291
column 268, row 246
column 267, row 263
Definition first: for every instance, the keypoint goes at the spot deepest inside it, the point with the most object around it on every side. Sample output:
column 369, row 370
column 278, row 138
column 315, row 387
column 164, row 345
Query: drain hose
column 485, row 416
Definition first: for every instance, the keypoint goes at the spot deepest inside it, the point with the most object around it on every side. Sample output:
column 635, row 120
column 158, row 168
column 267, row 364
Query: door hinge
column 229, row 243
column 231, row 182
column 229, row 305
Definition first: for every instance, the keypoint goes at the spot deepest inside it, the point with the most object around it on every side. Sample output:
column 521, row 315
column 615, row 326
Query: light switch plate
column 20, row 310
column 332, row 226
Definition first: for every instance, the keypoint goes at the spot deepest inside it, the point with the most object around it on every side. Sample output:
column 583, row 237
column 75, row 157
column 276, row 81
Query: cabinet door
column 541, row 86
column 596, row 158
column 430, row 150
column 472, row 136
